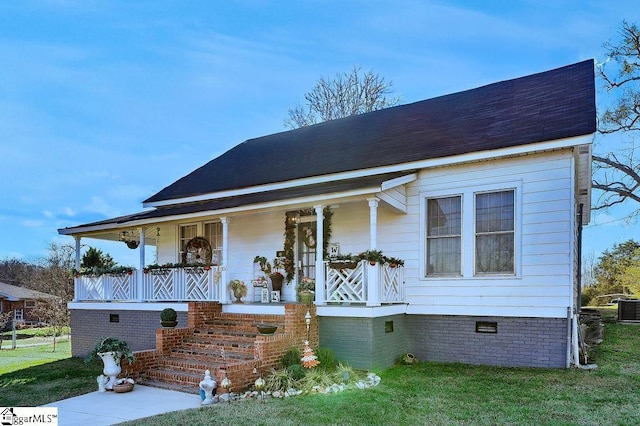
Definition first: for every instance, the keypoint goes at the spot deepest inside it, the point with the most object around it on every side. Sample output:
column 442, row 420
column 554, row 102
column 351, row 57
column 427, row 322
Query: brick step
column 177, row 377
column 215, row 333
column 215, row 347
column 169, row 386
column 195, row 365
column 206, row 353
column 226, row 342
column 215, row 338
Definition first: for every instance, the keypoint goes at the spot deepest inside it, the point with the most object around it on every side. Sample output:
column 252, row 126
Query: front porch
column 364, row 284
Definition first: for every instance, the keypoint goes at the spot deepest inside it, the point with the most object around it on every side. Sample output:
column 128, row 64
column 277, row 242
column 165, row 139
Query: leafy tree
column 631, row 278
column 613, row 264
column 95, row 258
column 347, row 94
column 617, row 175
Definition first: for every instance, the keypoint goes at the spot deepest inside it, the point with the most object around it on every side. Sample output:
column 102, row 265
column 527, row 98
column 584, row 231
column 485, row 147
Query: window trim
column 426, row 236
column 200, row 226
column 468, row 228
column 475, row 234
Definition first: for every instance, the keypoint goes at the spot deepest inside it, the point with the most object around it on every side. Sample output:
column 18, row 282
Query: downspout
column 578, row 302
column 579, row 260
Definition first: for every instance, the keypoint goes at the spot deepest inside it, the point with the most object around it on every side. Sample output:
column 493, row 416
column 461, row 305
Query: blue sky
column 104, row 103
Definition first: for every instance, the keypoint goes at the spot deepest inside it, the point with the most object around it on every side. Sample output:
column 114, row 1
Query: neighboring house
column 482, row 193
column 22, row 301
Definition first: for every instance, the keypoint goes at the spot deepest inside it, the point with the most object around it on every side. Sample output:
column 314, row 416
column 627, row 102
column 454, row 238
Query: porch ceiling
column 374, row 183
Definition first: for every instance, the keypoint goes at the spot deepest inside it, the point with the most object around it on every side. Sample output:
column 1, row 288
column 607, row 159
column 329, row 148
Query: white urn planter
column 111, row 361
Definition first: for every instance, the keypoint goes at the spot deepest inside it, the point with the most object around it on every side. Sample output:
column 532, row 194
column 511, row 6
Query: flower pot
column 169, row 324
column 276, row 282
column 111, row 361
column 306, row 297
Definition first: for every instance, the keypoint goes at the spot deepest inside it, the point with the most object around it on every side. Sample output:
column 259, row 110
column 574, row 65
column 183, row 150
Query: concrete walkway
column 107, row 408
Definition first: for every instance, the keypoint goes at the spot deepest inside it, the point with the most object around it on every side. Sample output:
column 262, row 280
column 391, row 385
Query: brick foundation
column 518, row 342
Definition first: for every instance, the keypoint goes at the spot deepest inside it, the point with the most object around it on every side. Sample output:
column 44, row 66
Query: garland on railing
column 290, row 237
column 96, row 272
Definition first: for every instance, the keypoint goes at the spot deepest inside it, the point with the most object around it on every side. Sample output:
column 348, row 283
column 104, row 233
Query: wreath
column 197, row 250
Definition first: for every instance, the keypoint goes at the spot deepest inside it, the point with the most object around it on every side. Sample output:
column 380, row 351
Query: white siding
column 541, row 286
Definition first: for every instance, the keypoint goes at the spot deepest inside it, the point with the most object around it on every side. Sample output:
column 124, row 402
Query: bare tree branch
column 347, row 94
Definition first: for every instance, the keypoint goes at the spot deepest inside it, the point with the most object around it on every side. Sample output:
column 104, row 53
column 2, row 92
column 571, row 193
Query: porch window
column 187, row 232
column 494, row 233
column 29, row 303
column 19, row 315
column 444, row 229
column 213, row 234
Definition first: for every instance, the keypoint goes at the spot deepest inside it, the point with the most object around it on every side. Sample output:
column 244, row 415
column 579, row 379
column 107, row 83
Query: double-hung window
column 211, row 231
column 444, row 236
column 494, row 232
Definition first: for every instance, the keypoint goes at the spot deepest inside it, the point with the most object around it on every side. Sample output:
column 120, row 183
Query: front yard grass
column 36, row 375
column 456, row 394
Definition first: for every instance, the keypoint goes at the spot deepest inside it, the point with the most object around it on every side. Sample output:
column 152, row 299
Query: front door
column 307, row 244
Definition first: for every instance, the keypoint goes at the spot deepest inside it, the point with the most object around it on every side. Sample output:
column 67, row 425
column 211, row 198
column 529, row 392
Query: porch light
column 130, row 239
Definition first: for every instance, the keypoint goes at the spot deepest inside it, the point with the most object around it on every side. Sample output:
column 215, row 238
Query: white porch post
column 140, row 273
column 373, row 222
column 76, row 281
column 320, row 297
column 373, row 271
column 223, row 292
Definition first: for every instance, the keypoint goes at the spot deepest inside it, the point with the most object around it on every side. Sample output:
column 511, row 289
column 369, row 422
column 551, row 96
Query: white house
column 481, row 193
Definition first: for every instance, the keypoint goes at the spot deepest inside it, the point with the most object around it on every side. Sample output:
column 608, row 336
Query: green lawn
column 426, row 393
column 455, row 394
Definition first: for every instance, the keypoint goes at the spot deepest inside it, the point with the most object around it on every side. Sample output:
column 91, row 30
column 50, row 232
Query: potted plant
column 372, row 256
column 343, row 261
column 306, row 290
column 394, row 261
column 111, row 350
column 277, row 278
column 239, row 289
column 169, row 318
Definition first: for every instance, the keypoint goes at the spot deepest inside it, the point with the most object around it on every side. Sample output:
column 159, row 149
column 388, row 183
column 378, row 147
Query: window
column 213, row 234
column 444, row 228
column 19, row 315
column 494, row 232
column 29, row 303
column 187, row 232
column 211, row 231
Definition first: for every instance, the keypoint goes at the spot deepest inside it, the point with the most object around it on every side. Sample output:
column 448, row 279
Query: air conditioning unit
column 629, row 310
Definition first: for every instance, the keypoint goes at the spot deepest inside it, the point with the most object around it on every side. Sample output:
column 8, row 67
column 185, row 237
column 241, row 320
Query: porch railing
column 365, row 283
column 169, row 284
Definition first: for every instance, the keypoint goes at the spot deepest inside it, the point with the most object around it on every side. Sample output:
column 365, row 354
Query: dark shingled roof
column 331, row 187
column 547, row 106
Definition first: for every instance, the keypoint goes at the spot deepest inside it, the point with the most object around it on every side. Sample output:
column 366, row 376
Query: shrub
column 279, row 380
column 291, row 357
column 168, row 314
column 345, row 374
column 296, row 371
column 327, row 358
column 316, row 379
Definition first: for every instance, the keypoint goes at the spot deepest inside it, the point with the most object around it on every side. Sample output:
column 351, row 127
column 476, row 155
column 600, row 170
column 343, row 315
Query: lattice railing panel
column 162, row 283
column 392, row 284
column 121, row 286
column 346, row 285
column 94, row 287
column 196, row 283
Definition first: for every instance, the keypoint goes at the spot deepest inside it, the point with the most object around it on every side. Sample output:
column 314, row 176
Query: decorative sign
column 265, row 295
column 275, row 296
column 334, row 249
